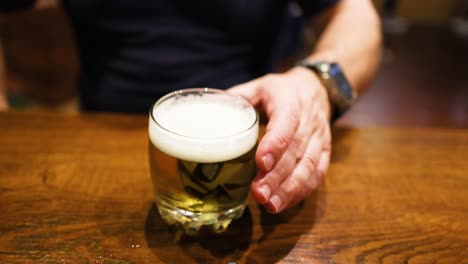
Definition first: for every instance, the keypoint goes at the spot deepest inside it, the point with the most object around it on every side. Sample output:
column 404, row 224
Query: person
column 133, row 52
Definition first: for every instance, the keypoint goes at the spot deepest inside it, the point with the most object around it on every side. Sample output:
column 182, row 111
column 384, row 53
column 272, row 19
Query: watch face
column 341, row 82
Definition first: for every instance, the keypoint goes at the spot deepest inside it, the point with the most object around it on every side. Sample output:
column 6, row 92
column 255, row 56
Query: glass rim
column 202, row 90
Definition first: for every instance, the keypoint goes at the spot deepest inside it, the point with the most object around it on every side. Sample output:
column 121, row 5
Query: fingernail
column 268, row 161
column 265, row 190
column 276, row 202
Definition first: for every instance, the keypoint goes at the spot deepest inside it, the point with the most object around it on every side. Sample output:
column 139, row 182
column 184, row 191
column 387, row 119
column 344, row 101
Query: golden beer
column 201, row 149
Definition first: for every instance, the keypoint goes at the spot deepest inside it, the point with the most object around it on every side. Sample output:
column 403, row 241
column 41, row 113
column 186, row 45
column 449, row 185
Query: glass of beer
column 202, row 146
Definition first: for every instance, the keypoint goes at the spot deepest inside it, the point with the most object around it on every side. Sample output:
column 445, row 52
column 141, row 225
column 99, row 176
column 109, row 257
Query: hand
column 294, row 154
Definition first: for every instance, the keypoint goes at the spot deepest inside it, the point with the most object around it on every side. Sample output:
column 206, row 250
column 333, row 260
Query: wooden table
column 76, row 189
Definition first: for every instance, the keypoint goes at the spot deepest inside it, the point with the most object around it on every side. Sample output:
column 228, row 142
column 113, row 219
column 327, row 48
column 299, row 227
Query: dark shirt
column 133, row 52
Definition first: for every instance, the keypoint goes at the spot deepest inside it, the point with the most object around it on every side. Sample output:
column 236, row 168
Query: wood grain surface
column 76, row 189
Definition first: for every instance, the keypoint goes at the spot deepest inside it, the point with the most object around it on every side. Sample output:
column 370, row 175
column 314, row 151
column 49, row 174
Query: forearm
column 351, row 37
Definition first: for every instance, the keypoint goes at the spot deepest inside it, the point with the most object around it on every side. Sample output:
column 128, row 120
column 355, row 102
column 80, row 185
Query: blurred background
column 423, row 80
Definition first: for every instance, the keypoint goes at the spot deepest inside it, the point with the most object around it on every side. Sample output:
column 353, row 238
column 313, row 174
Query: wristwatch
column 340, row 93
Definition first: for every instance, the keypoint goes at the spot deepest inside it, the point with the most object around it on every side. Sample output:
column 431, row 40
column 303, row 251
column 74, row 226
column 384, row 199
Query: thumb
column 251, row 91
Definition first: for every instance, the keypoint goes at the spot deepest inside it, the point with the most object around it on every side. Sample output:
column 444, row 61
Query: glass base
column 191, row 222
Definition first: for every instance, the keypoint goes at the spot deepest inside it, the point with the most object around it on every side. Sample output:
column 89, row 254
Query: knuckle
column 275, row 177
column 281, row 141
column 327, row 143
column 296, row 148
column 294, row 117
column 299, row 148
column 298, row 187
column 293, row 189
column 310, row 163
column 315, row 113
column 298, row 190
column 322, row 117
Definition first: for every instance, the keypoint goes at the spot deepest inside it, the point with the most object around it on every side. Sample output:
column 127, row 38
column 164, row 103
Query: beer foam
column 208, row 127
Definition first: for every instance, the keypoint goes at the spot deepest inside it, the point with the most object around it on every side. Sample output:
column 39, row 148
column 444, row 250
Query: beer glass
column 202, row 146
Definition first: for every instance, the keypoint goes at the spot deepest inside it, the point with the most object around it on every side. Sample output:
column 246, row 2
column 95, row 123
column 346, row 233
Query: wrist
column 311, row 81
column 340, row 93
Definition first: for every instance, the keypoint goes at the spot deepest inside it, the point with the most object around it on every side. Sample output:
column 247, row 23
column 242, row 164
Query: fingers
column 298, row 186
column 293, row 155
column 283, row 111
column 265, row 183
column 319, row 176
column 300, row 182
column 280, row 131
column 306, row 177
column 282, row 126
